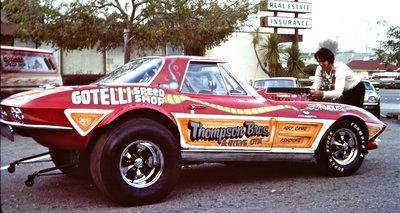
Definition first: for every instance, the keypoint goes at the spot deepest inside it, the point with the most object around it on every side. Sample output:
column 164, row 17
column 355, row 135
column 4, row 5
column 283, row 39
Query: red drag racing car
column 132, row 130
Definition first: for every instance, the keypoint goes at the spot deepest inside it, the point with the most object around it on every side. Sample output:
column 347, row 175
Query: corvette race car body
column 133, row 129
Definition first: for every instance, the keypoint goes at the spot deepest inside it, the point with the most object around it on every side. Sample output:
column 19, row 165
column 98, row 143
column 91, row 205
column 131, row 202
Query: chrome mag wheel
column 344, row 147
column 141, row 163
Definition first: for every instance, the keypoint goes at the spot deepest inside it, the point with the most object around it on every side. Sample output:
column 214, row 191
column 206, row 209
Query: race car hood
column 49, row 95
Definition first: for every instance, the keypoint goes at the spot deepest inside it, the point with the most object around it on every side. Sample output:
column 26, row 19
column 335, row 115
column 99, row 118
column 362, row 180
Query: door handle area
column 197, row 106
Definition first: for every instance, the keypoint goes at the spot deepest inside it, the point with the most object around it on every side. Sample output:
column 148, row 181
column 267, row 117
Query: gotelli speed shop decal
column 119, row 96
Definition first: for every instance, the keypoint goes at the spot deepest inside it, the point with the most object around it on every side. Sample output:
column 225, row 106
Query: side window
column 204, row 78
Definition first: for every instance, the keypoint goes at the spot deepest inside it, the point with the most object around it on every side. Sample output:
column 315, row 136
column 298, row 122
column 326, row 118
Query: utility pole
column 127, row 45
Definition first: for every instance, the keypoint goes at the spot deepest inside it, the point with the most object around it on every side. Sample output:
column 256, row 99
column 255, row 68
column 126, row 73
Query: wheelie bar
column 11, row 168
column 28, row 160
column 31, row 178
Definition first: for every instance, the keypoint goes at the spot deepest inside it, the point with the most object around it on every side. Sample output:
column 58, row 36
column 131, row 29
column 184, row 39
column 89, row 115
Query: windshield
column 368, row 86
column 274, row 83
column 141, row 70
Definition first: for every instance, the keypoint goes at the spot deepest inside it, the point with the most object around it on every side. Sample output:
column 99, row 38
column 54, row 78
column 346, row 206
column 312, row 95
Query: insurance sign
column 286, row 22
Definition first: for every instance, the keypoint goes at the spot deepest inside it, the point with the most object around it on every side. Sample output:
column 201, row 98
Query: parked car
column 275, row 88
column 276, row 82
column 372, row 100
column 132, row 130
column 24, row 69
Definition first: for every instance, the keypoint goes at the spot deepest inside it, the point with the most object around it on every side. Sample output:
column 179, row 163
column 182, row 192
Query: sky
column 352, row 23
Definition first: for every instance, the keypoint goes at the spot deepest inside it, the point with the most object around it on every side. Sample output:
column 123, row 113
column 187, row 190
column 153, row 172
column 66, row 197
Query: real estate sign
column 288, row 6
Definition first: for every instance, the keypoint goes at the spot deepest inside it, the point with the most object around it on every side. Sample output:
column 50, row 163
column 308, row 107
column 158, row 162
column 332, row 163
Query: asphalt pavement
column 390, row 103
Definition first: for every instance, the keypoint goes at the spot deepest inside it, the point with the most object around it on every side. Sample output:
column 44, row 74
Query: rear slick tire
column 137, row 162
column 342, row 149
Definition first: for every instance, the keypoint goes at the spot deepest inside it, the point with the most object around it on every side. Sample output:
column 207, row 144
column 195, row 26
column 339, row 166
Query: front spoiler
column 373, row 144
column 7, row 128
column 7, row 132
column 33, row 126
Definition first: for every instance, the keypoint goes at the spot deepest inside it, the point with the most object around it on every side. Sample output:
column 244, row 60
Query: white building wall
column 114, row 58
column 86, row 61
column 239, row 52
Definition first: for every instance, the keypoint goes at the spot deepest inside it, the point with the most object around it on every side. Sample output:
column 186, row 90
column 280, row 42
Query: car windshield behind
column 368, row 86
column 273, row 83
column 140, row 70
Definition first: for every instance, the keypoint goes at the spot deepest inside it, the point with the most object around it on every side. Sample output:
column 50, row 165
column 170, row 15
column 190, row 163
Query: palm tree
column 295, row 65
column 271, row 50
column 256, row 40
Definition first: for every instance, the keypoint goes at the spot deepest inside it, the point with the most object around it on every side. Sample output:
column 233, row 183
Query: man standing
column 335, row 80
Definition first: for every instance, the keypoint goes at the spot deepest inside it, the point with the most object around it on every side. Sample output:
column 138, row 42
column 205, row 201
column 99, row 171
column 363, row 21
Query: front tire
column 342, row 149
column 137, row 162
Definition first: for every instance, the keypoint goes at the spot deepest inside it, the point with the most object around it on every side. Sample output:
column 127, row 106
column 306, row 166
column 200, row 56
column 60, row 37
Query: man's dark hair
column 325, row 54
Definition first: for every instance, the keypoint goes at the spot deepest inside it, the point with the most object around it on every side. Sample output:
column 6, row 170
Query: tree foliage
column 31, row 16
column 330, row 44
column 257, row 38
column 270, row 49
column 193, row 24
column 389, row 50
column 295, row 65
column 209, row 23
column 309, row 70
